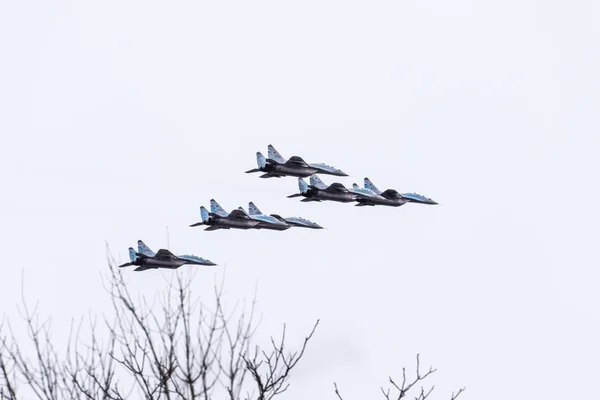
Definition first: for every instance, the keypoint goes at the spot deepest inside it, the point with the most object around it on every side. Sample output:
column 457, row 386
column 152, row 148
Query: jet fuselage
column 156, row 263
column 378, row 201
column 287, row 170
column 226, row 223
column 276, row 225
column 317, row 194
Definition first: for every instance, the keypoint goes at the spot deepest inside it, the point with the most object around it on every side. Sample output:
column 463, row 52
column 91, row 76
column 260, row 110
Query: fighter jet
column 218, row 218
column 366, row 197
column 394, row 197
column 147, row 259
column 318, row 191
column 266, row 221
column 275, row 166
column 290, row 222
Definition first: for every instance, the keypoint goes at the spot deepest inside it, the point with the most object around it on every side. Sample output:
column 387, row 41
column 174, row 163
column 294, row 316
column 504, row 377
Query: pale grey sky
column 119, row 118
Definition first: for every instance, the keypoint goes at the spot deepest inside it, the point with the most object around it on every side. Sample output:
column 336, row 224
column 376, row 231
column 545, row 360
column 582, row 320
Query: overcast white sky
column 119, row 118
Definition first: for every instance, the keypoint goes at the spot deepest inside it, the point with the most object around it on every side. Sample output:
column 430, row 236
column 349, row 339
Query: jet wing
column 363, row 193
column 328, row 169
column 163, row 254
column 301, row 222
column 296, row 161
column 192, row 259
column 143, row 268
column 336, row 188
column 237, row 213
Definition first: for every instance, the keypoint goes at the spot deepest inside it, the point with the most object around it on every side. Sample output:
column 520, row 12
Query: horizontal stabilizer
column 126, row 265
column 214, row 228
column 294, row 195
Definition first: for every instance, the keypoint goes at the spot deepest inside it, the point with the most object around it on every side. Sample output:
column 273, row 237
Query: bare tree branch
column 405, row 387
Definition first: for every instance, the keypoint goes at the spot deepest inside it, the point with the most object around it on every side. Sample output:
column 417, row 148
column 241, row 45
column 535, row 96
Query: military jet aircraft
column 366, row 197
column 318, row 191
column 218, row 218
column 394, row 197
column 291, row 221
column 275, row 166
column 266, row 221
column 147, row 259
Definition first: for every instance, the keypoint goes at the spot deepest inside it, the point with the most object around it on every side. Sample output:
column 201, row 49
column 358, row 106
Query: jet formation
column 276, row 166
column 145, row 259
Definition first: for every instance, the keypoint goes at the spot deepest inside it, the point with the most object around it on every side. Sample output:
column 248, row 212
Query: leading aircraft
column 318, row 191
column 275, row 166
column 145, row 259
column 218, row 218
column 394, row 197
column 291, row 221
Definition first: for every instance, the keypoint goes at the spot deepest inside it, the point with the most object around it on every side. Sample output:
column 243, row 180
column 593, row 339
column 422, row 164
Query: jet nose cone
column 208, row 262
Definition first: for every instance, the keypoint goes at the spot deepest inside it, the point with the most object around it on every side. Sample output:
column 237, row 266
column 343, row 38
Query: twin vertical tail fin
column 204, row 214
column 215, row 208
column 261, row 161
column 274, row 155
column 132, row 255
column 303, row 186
column 317, row 182
column 369, row 185
column 145, row 250
column 253, row 209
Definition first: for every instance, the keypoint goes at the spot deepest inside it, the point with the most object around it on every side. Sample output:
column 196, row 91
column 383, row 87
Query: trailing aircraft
column 394, row 196
column 291, row 221
column 218, row 218
column 318, row 191
column 275, row 166
column 145, row 259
